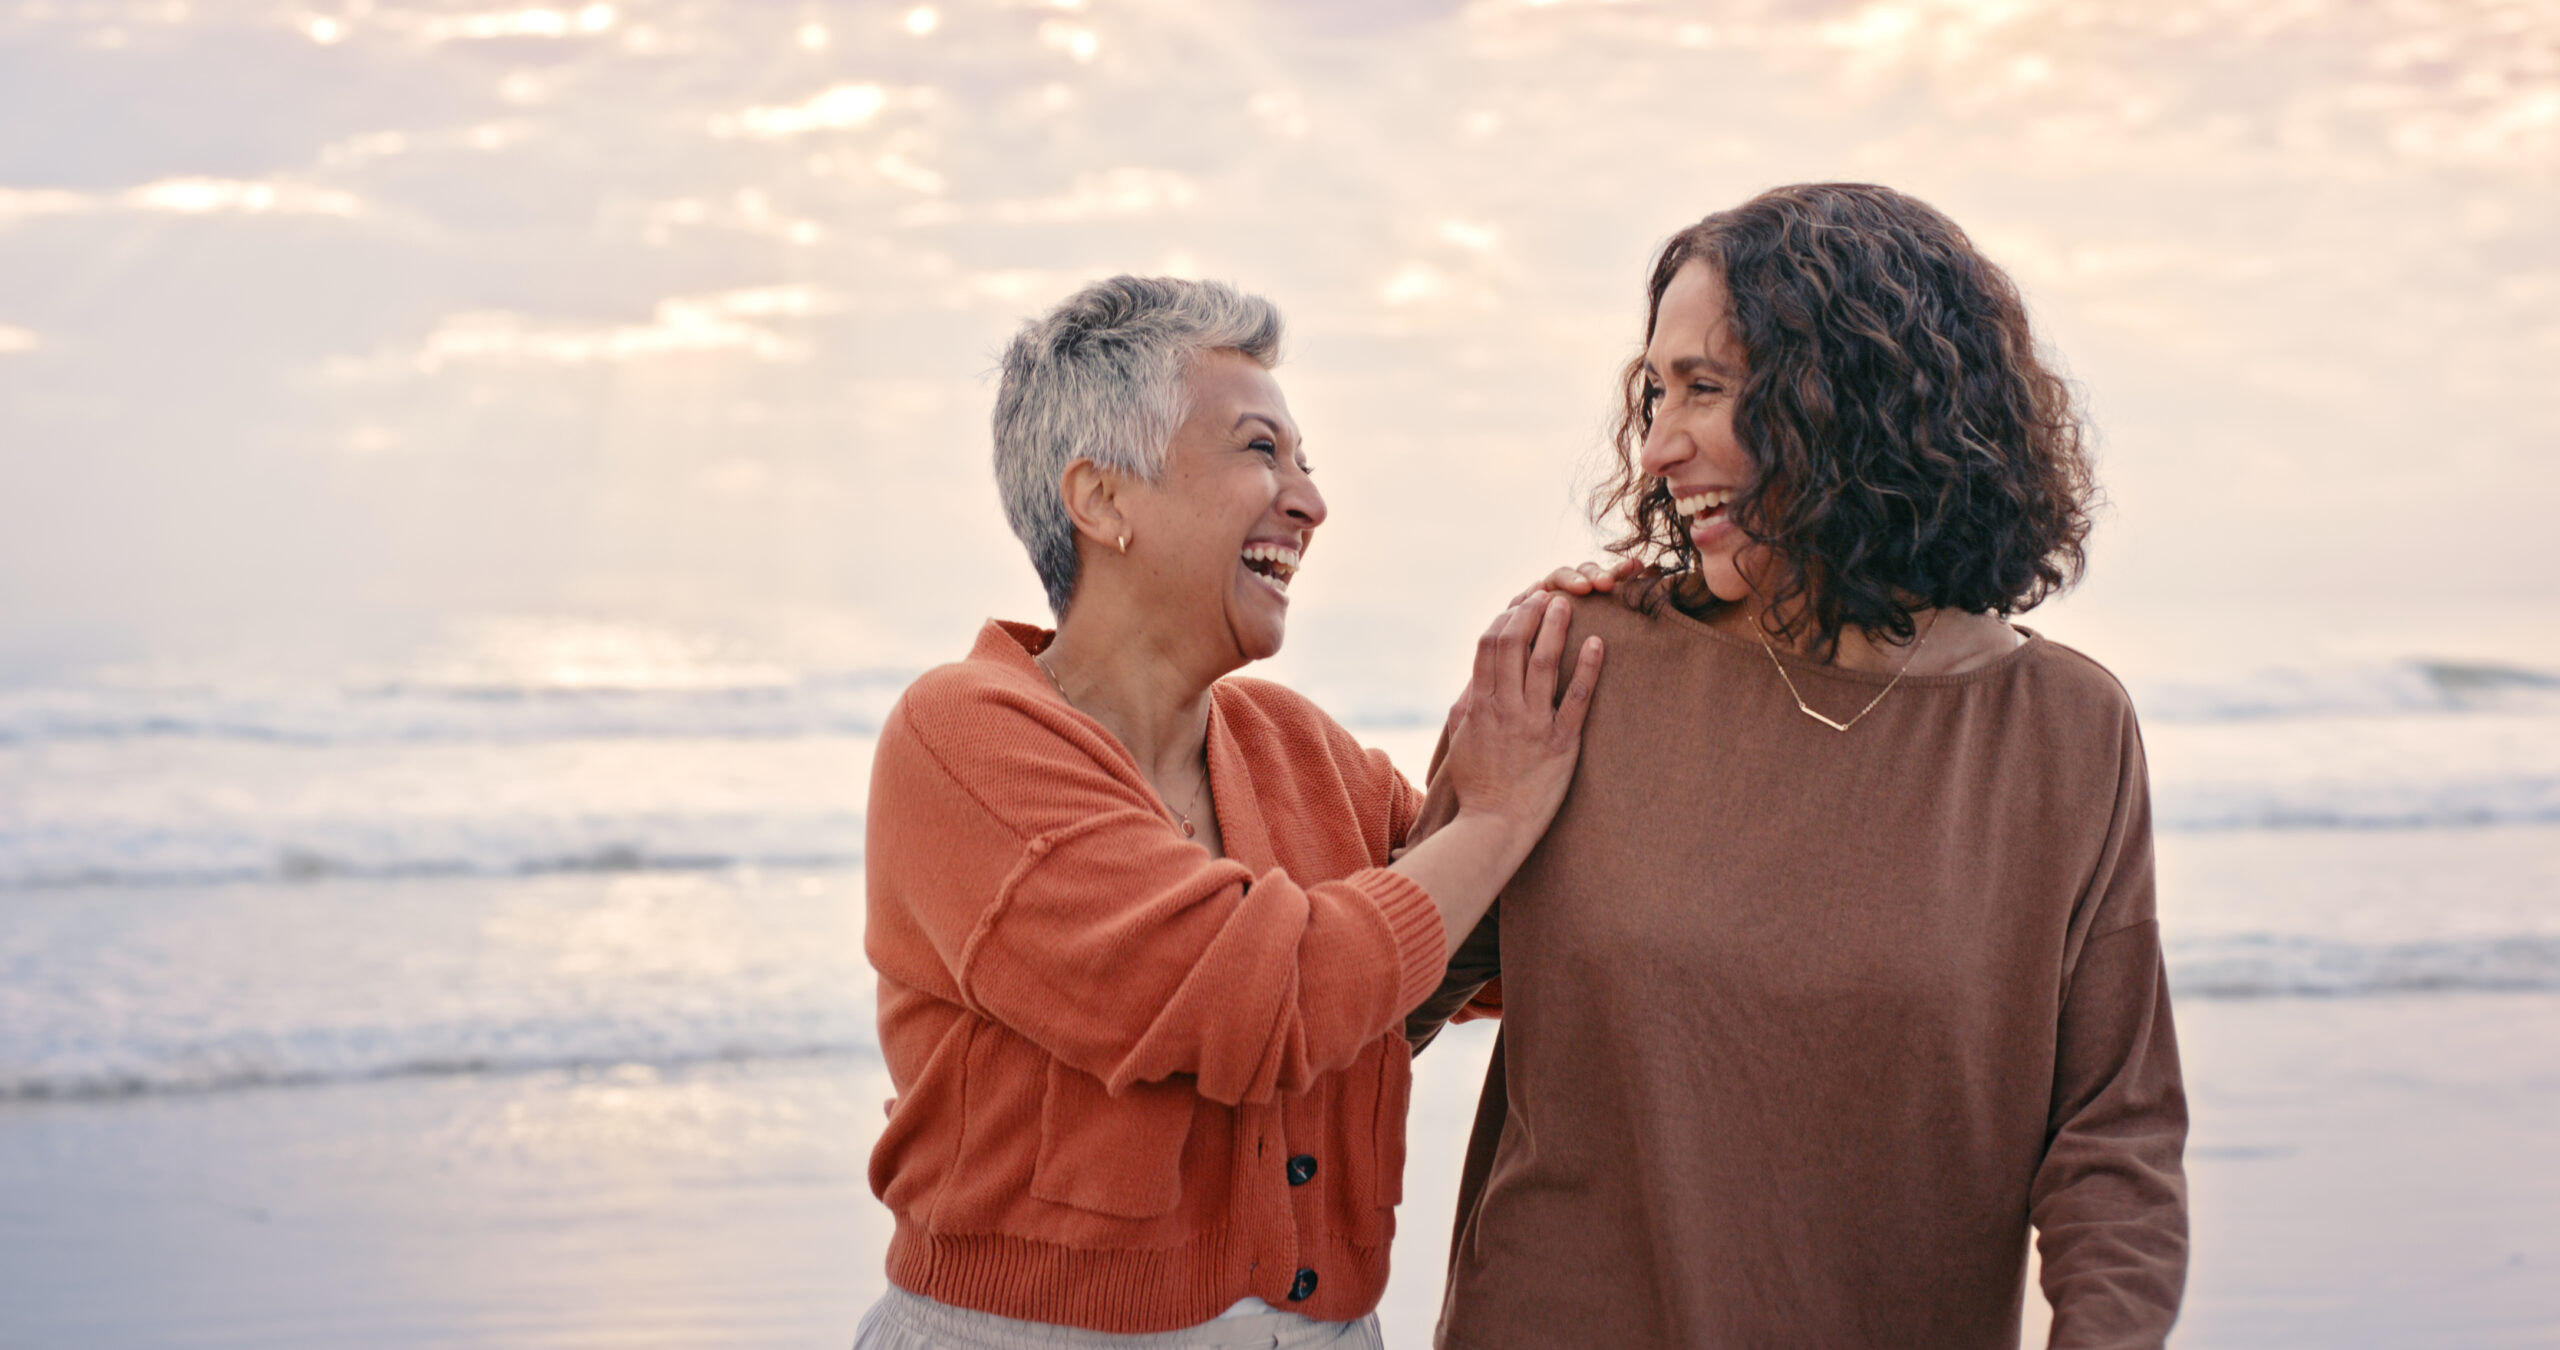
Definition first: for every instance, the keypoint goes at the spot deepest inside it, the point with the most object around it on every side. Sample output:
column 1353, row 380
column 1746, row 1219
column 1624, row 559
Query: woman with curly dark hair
column 1838, row 972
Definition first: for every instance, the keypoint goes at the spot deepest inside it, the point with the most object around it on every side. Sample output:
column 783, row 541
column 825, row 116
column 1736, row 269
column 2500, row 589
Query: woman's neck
column 1944, row 641
column 1136, row 684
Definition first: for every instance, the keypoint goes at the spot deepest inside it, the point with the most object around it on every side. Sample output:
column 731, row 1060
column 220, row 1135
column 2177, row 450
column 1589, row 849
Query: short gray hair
column 1101, row 378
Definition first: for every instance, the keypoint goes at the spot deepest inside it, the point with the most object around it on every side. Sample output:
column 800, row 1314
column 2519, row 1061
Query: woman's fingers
column 1582, row 579
column 1569, row 580
column 1555, row 620
column 1497, row 677
column 1577, row 695
column 1488, row 663
column 1519, row 626
column 1607, row 578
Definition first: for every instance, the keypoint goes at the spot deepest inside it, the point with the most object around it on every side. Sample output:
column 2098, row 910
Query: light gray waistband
column 904, row 1321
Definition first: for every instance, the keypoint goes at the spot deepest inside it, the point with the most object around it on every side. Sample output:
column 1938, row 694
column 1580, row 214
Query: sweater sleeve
column 1471, row 985
column 1063, row 908
column 2109, row 1201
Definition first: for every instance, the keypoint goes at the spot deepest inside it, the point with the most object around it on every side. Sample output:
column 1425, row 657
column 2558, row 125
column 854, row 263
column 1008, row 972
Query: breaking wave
column 816, row 705
column 316, row 1056
column 123, row 853
column 2268, row 965
column 2395, row 689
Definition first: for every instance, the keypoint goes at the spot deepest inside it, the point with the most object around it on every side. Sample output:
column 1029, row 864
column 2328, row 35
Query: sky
column 328, row 328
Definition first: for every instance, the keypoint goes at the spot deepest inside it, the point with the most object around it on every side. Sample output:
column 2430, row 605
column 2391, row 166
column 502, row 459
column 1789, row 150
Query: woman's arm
column 1477, row 961
column 1014, row 871
column 1475, row 964
column 1509, row 759
column 2109, row 1201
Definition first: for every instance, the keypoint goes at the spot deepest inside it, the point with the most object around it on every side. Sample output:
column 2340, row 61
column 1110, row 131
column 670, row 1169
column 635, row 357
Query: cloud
column 748, row 212
column 1413, row 282
column 723, row 323
column 233, row 196
column 185, row 196
column 840, row 108
column 355, row 151
column 1125, row 193
column 535, row 22
column 1080, row 44
column 18, row 204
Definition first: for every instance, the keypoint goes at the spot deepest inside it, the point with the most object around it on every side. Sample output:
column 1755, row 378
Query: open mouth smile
column 1274, row 564
column 1702, row 505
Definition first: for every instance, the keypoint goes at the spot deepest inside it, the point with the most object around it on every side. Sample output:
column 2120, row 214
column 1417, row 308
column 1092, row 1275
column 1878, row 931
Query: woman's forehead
column 1229, row 389
column 1694, row 323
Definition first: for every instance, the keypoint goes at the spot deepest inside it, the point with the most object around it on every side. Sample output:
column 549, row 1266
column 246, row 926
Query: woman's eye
column 1703, row 389
column 1652, row 394
column 1264, row 446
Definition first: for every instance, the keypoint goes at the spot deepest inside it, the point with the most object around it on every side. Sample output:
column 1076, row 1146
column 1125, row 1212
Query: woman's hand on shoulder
column 1512, row 752
column 1582, row 579
column 1512, row 744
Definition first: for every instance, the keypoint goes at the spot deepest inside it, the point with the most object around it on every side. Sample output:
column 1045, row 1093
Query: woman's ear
column 1092, row 496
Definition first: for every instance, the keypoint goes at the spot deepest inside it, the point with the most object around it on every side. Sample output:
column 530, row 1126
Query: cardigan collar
column 1240, row 824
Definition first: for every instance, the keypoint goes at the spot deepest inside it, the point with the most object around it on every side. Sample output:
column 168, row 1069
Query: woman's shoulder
column 961, row 690
column 2075, row 675
column 1282, row 732
column 983, row 713
column 1644, row 627
column 1273, row 714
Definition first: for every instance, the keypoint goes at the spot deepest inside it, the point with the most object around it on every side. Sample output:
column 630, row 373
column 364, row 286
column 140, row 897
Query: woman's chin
column 1260, row 642
column 1258, row 618
column 1723, row 580
column 1257, row 636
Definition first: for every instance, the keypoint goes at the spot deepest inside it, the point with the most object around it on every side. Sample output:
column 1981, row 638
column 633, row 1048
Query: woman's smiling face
column 1220, row 534
column 1693, row 369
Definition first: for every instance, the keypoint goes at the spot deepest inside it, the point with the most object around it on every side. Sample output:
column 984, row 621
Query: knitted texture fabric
column 1113, row 1053
column 1802, row 1031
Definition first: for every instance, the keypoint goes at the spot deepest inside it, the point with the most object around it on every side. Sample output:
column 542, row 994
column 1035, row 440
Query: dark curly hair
column 1910, row 450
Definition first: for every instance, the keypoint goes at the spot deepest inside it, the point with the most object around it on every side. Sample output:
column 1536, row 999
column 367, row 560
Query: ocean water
column 528, row 1006
column 514, row 996
column 206, row 889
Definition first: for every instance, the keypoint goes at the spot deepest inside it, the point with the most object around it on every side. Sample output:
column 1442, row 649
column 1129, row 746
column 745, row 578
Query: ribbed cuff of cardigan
column 1422, row 938
column 1130, row 1291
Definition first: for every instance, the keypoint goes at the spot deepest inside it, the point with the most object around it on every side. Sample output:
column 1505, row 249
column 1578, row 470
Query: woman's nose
column 1664, row 449
column 1300, row 502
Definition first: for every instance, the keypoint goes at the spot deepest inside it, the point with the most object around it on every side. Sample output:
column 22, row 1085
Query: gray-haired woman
column 1146, row 934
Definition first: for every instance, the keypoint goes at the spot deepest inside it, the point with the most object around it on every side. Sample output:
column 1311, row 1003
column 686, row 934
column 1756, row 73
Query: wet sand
column 2367, row 1172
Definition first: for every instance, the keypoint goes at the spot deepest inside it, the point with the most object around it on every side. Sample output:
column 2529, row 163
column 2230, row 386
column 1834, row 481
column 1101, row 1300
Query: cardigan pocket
column 1120, row 1156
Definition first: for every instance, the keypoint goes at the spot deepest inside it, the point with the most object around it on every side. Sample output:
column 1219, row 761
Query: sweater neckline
column 1231, row 791
column 1994, row 668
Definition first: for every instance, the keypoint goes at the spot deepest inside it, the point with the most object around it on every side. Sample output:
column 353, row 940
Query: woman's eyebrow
column 1266, row 420
column 1689, row 365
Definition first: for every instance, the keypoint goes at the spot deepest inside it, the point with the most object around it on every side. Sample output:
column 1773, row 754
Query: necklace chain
column 1189, row 830
column 1801, row 705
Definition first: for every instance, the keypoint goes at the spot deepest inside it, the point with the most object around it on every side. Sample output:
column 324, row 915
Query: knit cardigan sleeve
column 1024, row 849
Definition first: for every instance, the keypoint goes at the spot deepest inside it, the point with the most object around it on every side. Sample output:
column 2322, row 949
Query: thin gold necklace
column 1189, row 831
column 1801, row 705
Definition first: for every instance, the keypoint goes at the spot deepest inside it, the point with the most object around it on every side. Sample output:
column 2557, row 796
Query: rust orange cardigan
column 1136, row 1083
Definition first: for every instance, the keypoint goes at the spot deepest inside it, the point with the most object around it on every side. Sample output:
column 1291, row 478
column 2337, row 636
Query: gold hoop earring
column 1124, row 545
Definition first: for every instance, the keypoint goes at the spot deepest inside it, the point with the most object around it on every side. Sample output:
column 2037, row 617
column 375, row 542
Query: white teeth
column 1281, row 564
column 1279, row 553
column 1690, row 504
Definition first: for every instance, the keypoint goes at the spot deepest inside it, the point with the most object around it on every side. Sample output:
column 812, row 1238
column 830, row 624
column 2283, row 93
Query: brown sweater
column 1802, row 1029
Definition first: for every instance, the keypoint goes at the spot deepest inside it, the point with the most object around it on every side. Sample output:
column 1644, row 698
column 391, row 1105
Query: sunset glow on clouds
column 2284, row 248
